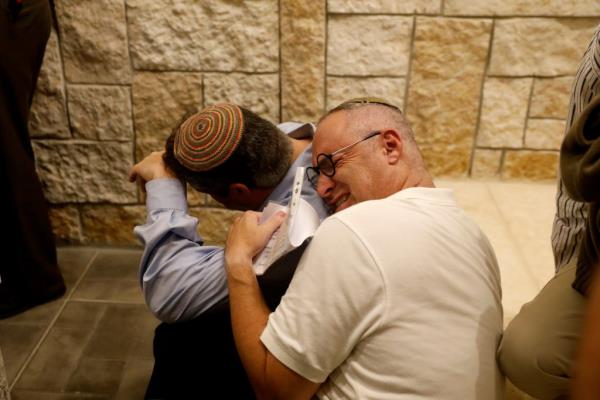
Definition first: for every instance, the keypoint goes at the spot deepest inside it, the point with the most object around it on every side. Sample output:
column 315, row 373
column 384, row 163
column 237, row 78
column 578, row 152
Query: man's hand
column 247, row 238
column 151, row 167
column 270, row 378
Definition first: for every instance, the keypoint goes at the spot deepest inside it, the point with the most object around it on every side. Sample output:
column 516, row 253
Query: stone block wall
column 485, row 84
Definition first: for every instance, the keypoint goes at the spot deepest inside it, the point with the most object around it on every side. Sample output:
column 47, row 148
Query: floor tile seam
column 77, row 355
column 21, row 323
column 119, row 279
column 81, row 395
column 51, row 324
column 100, row 301
column 71, row 387
column 99, row 249
column 127, row 358
column 513, row 240
column 118, row 360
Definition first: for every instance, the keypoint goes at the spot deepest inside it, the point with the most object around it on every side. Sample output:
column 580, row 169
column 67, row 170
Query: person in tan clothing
column 538, row 346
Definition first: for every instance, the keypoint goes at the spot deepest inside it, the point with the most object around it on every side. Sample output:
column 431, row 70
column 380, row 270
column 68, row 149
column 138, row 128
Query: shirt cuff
column 165, row 193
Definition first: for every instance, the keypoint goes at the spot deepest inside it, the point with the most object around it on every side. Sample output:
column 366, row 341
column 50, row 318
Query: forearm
column 586, row 384
column 249, row 315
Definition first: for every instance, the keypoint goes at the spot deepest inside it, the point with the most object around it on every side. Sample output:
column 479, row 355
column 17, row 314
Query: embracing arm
column 249, row 314
column 180, row 278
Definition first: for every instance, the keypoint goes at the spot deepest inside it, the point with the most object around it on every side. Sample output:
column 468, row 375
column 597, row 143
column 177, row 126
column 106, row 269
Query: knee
column 531, row 364
column 518, row 352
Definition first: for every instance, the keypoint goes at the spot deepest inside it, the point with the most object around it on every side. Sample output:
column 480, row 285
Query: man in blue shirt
column 243, row 162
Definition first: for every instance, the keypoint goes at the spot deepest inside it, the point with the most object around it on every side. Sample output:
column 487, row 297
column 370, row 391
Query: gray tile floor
column 96, row 341
column 93, row 343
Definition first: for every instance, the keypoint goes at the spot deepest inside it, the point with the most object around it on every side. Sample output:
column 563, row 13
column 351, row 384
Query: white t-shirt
column 394, row 298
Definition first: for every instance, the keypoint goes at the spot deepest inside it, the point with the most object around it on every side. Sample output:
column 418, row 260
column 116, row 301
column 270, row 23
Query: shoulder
column 297, row 130
column 339, row 244
column 379, row 214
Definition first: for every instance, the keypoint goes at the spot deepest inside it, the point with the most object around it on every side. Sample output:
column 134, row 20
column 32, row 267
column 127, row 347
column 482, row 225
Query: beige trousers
column 538, row 346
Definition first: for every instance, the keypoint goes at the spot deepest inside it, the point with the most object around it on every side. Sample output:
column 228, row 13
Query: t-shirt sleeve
column 336, row 298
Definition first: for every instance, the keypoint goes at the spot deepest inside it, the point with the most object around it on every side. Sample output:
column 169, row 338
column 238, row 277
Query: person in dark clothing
column 29, row 274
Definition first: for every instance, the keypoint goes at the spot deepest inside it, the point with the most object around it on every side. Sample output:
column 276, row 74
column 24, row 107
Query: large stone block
column 444, row 93
column 361, row 45
column 159, row 101
column 544, row 134
column 85, row 171
column 111, row 225
column 66, row 224
column 539, row 46
column 503, row 112
column 213, row 224
column 302, row 59
column 385, row 6
column 194, row 197
column 581, row 8
column 48, row 114
column 526, row 164
column 446, row 159
column 486, row 163
column 342, row 89
column 258, row 93
column 204, row 35
column 94, row 40
column 550, row 97
column 100, row 112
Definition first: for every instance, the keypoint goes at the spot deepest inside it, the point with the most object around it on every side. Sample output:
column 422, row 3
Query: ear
column 392, row 145
column 238, row 193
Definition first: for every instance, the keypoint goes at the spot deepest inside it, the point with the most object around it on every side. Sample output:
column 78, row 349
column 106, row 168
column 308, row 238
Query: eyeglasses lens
column 312, row 174
column 325, row 164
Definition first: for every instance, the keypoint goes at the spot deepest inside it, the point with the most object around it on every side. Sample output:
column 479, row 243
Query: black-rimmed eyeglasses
column 326, row 165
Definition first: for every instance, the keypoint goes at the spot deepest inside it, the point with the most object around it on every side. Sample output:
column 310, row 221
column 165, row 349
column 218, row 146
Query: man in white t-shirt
column 398, row 294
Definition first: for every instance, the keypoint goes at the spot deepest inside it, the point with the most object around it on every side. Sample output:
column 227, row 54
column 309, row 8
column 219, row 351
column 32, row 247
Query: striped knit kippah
column 208, row 138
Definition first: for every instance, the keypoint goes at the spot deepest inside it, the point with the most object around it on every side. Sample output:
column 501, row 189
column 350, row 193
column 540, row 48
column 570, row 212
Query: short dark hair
column 261, row 159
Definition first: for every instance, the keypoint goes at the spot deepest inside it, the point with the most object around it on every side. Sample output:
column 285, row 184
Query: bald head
column 361, row 117
column 378, row 155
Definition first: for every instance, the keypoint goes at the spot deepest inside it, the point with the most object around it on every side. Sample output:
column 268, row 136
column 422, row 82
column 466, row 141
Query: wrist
column 239, row 268
column 163, row 174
